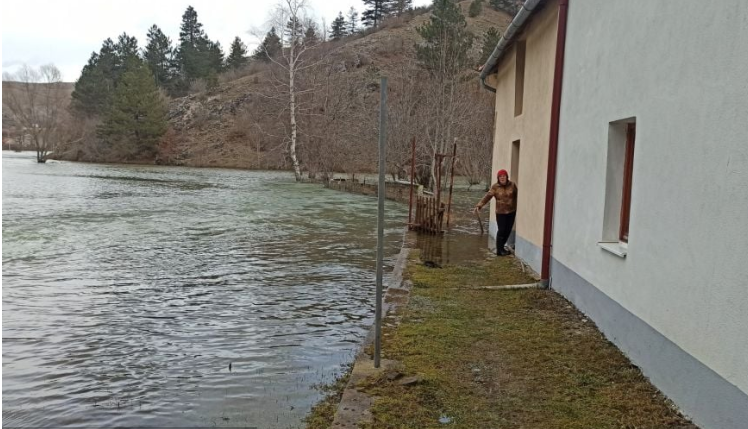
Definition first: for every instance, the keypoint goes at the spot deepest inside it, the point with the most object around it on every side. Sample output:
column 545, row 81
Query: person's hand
column 476, row 209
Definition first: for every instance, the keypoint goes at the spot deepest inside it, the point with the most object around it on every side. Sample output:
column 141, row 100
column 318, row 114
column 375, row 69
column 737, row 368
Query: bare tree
column 476, row 135
column 445, row 53
column 294, row 59
column 38, row 101
column 405, row 120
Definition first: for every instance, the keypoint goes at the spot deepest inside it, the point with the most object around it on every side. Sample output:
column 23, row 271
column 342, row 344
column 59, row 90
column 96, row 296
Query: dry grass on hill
column 226, row 128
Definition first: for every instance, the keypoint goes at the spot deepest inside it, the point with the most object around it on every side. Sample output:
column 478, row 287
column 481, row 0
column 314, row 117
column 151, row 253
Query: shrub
column 476, row 7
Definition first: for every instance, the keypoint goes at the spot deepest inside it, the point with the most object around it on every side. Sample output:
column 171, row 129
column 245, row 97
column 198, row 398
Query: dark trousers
column 504, row 222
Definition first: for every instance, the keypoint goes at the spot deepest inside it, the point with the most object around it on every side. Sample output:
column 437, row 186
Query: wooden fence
column 429, row 215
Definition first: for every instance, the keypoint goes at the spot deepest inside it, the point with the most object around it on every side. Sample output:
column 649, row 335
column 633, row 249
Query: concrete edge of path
column 354, row 407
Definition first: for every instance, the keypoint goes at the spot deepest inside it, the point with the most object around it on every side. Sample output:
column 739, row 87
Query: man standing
column 505, row 192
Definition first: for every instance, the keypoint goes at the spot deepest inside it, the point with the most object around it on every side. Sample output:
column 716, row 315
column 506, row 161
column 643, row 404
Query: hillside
column 243, row 122
column 224, row 128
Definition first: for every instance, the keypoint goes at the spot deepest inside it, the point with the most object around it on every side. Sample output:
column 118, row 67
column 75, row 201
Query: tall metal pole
column 412, row 176
column 380, row 222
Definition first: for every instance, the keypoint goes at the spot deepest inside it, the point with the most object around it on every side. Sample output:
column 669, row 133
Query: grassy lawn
column 505, row 359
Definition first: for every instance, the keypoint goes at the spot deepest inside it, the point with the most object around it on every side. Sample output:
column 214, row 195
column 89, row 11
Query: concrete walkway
column 355, row 405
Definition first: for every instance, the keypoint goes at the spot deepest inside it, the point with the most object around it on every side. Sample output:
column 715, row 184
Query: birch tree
column 294, row 59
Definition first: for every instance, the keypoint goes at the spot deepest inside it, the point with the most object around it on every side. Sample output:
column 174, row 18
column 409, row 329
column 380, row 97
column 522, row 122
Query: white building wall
column 681, row 69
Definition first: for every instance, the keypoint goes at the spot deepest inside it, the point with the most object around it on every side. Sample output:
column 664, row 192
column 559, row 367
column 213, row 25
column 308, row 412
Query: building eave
column 529, row 8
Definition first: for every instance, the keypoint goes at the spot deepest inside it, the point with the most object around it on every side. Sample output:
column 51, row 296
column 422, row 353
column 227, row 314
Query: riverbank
column 471, row 355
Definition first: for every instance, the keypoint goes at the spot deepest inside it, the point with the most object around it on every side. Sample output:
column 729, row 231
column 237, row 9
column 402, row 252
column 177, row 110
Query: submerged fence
column 429, row 215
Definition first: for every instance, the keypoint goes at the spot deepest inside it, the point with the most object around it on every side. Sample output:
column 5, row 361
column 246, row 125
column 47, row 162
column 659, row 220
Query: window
column 628, row 170
column 514, row 174
column 618, row 186
column 519, row 77
column 515, row 162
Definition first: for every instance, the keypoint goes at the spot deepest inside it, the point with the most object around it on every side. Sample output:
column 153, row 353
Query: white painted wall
column 680, row 68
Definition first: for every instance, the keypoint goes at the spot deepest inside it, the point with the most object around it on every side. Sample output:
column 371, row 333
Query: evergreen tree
column 375, row 12
column 137, row 115
column 93, row 89
column 447, row 41
column 215, row 57
column 157, row 55
column 191, row 31
column 108, row 58
column 269, row 48
column 294, row 31
column 126, row 50
column 238, row 55
column 127, row 55
column 352, row 21
column 194, row 55
column 338, row 29
column 310, row 35
column 490, row 40
column 398, row 7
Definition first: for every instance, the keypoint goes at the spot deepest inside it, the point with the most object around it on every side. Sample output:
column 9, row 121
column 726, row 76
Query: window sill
column 617, row 248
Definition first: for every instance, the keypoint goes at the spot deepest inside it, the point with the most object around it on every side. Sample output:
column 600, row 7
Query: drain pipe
column 550, row 187
column 506, row 40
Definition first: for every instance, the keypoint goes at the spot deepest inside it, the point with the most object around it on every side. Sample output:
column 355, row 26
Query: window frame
column 520, row 54
column 628, row 173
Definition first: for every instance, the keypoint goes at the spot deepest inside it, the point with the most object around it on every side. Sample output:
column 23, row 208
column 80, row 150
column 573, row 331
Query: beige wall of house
column 530, row 128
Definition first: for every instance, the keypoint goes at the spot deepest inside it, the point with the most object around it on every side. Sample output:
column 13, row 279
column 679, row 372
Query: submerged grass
column 323, row 413
column 506, row 359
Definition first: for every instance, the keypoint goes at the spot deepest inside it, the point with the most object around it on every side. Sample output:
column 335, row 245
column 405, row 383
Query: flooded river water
column 158, row 296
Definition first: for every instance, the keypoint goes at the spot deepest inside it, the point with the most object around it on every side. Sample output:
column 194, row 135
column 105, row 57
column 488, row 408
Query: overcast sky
column 65, row 33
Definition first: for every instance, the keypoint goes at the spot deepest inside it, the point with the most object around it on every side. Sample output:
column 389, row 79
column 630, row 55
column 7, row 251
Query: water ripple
column 128, row 291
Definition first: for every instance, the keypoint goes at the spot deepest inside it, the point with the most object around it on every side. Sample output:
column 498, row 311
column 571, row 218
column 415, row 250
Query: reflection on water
column 156, row 296
column 453, row 247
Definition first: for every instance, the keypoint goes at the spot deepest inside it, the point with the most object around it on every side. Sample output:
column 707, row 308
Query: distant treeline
column 120, row 84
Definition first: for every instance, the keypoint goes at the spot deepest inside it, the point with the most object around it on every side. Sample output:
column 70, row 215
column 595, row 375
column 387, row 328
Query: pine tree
column 338, row 29
column 238, row 55
column 137, row 115
column 490, row 40
column 126, row 52
column 93, row 89
column 447, row 41
column 126, row 49
column 157, row 55
column 269, row 48
column 108, row 58
column 191, row 31
column 375, row 12
column 352, row 21
column 398, row 7
column 193, row 54
column 294, row 31
column 310, row 35
column 215, row 57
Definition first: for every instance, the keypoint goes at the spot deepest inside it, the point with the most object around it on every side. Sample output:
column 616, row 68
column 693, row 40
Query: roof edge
column 514, row 28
